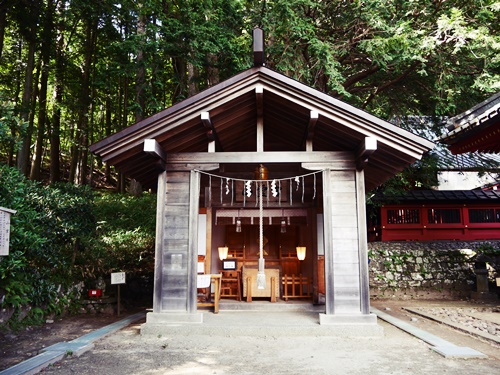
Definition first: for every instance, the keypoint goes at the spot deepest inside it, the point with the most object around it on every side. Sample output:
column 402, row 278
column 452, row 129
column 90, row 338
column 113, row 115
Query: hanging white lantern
column 223, row 250
column 301, row 252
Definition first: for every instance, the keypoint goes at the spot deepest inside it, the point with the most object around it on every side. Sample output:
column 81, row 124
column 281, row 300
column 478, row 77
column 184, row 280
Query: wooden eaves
column 261, row 111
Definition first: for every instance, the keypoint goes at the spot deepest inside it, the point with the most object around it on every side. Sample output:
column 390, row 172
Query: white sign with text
column 118, row 278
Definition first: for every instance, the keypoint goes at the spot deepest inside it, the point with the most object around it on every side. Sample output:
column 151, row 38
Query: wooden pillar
column 364, row 276
column 345, row 276
column 194, row 198
column 176, row 253
column 160, row 212
column 341, row 243
column 328, row 242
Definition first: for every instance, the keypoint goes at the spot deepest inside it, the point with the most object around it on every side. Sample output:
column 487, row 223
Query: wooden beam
column 338, row 157
column 190, row 167
column 259, row 94
column 212, row 137
column 153, row 148
column 313, row 119
column 365, row 150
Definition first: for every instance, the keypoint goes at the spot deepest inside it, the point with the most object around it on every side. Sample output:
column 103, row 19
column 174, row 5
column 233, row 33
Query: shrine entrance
column 289, row 222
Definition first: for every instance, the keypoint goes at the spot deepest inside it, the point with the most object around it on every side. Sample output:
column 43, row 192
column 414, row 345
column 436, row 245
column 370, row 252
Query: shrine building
column 251, row 175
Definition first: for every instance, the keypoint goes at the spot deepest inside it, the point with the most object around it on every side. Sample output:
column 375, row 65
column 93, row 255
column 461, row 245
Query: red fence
column 438, row 222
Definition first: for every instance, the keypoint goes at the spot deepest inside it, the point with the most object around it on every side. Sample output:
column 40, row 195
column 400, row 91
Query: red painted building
column 477, row 129
column 426, row 215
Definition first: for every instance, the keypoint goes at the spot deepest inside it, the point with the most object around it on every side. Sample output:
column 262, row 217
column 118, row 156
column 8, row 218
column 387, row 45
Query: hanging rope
column 244, row 180
column 303, row 189
column 314, row 195
column 261, row 276
column 232, row 189
column 210, row 189
column 279, row 187
column 259, row 185
column 221, row 191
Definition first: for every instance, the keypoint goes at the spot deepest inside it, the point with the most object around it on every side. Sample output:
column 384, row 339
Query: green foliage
column 62, row 235
column 125, row 238
column 48, row 223
column 488, row 250
column 390, row 57
column 12, row 129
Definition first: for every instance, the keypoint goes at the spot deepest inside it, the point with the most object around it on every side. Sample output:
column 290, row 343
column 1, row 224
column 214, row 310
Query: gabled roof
column 285, row 107
column 426, row 126
column 477, row 129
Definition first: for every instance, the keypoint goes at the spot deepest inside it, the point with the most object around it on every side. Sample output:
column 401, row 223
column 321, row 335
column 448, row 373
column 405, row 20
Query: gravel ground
column 466, row 317
column 127, row 352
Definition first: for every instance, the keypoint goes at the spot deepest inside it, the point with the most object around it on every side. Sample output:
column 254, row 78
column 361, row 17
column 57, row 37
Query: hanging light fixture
column 283, row 225
column 283, row 222
column 301, row 252
column 261, row 173
column 223, row 252
column 238, row 222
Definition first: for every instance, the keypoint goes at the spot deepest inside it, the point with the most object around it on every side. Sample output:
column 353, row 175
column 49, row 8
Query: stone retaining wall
column 437, row 269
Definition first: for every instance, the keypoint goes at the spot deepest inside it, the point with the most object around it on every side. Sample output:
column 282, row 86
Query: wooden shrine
column 321, row 156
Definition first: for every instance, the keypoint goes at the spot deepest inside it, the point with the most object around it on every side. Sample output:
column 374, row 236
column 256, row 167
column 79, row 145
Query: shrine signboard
column 5, row 230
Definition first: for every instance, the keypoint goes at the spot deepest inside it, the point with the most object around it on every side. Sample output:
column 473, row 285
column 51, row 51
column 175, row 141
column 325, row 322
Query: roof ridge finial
column 258, row 47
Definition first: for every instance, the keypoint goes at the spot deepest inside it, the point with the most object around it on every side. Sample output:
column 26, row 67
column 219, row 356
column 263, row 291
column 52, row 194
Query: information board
column 118, row 278
column 5, row 230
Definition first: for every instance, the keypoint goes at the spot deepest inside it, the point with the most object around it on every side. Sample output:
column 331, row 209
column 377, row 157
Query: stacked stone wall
column 434, row 269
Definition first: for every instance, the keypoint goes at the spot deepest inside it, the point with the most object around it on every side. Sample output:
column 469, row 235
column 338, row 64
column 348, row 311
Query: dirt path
column 19, row 346
column 396, row 353
column 127, row 352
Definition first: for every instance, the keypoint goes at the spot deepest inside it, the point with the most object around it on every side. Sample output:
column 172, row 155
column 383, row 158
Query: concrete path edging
column 439, row 345
column 77, row 347
column 482, row 335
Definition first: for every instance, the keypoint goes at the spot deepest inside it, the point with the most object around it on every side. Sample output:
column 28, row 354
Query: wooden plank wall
column 175, row 254
column 344, row 237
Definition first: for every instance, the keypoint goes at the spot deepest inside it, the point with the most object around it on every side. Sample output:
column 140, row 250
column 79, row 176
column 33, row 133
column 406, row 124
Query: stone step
column 266, row 305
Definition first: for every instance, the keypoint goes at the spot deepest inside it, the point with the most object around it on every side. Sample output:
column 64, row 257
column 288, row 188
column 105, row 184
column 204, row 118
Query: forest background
column 75, row 71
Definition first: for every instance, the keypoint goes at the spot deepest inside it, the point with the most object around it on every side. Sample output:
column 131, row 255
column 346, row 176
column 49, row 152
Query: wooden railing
column 296, row 286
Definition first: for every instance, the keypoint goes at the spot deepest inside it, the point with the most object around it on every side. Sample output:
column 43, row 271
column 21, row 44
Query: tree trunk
column 180, row 91
column 3, row 23
column 81, row 134
column 213, row 73
column 192, row 78
column 55, row 133
column 135, row 187
column 108, row 122
column 42, row 112
column 140, row 78
column 24, row 151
